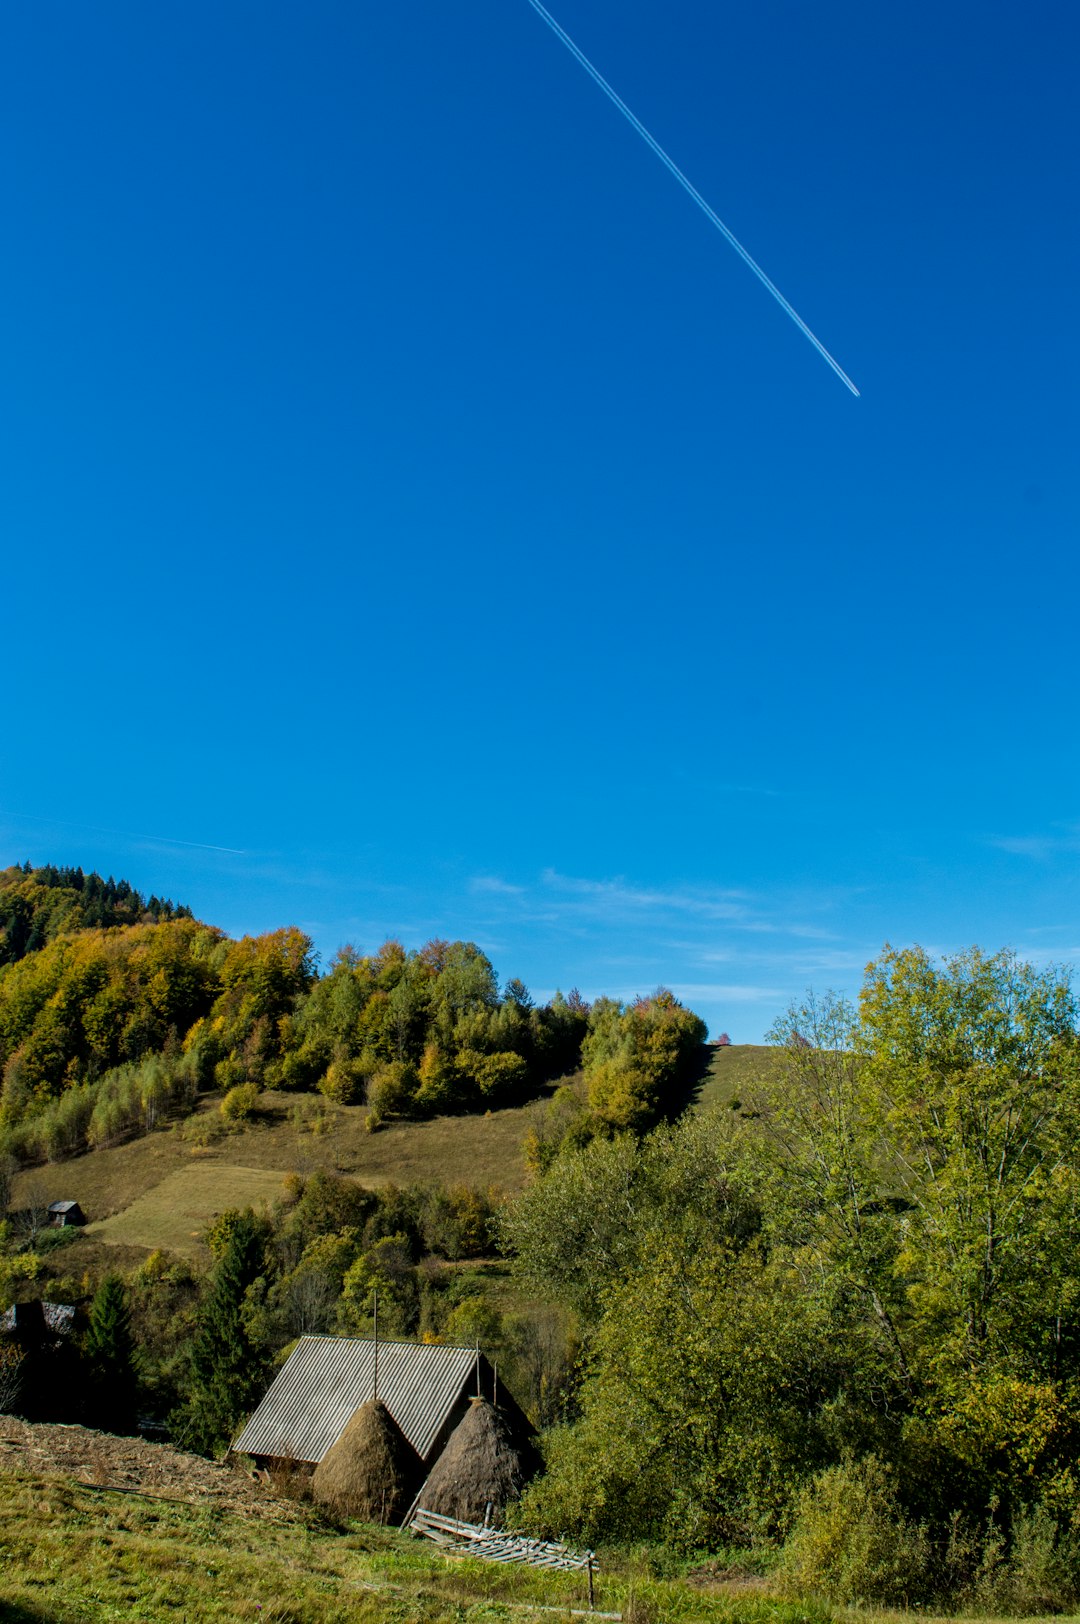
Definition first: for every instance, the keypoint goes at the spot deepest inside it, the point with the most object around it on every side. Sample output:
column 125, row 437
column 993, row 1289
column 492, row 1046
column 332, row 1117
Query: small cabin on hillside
column 63, row 1214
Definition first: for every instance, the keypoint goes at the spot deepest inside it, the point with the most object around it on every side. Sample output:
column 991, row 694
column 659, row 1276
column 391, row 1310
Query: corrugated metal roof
column 57, row 1317
column 326, row 1378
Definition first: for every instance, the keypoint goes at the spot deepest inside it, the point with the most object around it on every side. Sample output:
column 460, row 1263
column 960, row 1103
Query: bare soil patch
column 101, row 1460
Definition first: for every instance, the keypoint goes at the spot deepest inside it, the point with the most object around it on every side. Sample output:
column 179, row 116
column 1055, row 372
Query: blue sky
column 418, row 521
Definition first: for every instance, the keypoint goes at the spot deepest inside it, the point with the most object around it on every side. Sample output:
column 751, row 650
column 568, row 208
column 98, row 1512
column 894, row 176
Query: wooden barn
column 63, row 1214
column 426, row 1390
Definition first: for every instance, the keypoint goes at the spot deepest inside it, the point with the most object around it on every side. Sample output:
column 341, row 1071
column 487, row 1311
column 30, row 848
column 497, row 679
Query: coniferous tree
column 109, row 1354
column 227, row 1372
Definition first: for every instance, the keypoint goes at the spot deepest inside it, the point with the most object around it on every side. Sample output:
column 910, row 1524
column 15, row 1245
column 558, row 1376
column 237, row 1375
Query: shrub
column 309, row 1115
column 497, row 1078
column 24, row 1266
column 1036, row 1571
column 438, row 1081
column 200, row 1132
column 458, row 1223
column 51, row 1240
column 241, row 1102
column 343, row 1083
column 392, row 1090
column 852, row 1542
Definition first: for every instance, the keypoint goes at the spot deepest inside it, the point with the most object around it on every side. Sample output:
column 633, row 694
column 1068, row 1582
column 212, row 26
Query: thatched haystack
column 483, row 1464
column 372, row 1472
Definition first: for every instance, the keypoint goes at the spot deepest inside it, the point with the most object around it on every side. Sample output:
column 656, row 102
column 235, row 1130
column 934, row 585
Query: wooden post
column 478, row 1392
column 375, row 1373
column 591, row 1599
column 495, row 1388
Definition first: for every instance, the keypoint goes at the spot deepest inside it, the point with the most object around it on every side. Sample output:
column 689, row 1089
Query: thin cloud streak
column 123, row 834
column 1039, row 847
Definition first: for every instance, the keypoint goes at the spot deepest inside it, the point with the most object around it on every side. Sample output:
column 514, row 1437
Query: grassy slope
column 71, row 1552
column 731, row 1070
column 162, row 1190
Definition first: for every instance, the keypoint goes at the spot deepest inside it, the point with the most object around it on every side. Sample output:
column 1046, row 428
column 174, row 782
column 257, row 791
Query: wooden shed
column 63, row 1214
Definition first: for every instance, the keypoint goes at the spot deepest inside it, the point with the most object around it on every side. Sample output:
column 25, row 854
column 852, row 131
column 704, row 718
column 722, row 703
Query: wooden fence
column 495, row 1545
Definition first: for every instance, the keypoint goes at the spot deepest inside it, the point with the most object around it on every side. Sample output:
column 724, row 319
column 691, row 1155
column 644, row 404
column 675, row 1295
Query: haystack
column 483, row 1464
column 372, row 1472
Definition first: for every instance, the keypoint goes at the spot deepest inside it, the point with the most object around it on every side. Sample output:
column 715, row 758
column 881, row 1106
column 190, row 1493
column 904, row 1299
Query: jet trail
column 669, row 163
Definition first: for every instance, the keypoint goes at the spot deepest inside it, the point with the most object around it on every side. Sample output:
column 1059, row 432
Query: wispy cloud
column 660, row 930
column 1041, row 848
column 725, row 992
column 494, row 886
column 611, row 896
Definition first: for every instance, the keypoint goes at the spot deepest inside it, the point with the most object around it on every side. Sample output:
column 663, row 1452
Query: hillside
column 162, row 1190
column 94, row 1528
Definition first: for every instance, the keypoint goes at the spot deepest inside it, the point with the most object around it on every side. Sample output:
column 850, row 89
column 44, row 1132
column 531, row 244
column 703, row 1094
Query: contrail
column 669, row 163
column 124, row 834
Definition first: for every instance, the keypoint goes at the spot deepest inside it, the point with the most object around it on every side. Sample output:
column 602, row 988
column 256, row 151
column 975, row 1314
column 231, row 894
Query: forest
column 125, row 1010
column 830, row 1326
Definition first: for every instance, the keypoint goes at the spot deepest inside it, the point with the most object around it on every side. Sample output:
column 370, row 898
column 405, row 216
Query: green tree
column 228, row 1371
column 975, row 1065
column 109, row 1360
column 821, row 1161
column 711, row 1379
column 638, row 1060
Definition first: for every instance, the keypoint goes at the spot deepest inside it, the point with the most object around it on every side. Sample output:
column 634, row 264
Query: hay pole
column 375, row 1372
column 410, row 1514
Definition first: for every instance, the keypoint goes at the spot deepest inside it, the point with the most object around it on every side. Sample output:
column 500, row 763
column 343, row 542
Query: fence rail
column 494, row 1545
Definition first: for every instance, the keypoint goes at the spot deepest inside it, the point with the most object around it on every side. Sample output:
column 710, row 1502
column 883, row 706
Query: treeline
column 38, row 904
column 105, row 1029
column 842, row 1317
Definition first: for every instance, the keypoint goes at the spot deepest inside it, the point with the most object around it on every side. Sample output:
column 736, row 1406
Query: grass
column 732, row 1070
column 880, row 1615
column 174, row 1214
column 72, row 1554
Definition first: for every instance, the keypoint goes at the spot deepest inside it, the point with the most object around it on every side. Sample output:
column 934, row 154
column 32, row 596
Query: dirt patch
column 728, row 1579
column 107, row 1462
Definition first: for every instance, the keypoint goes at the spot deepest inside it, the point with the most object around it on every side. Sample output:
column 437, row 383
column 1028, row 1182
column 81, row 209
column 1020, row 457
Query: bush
column 51, row 1240
column 309, row 1115
column 458, row 1223
column 852, row 1542
column 1036, row 1571
column 241, row 1102
column 343, row 1083
column 392, row 1090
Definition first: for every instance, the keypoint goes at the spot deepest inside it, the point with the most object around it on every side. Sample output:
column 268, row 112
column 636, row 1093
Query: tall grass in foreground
column 69, row 1552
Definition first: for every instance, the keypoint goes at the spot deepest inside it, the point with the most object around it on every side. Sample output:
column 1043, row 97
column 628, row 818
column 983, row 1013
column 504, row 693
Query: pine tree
column 109, row 1355
column 227, row 1371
